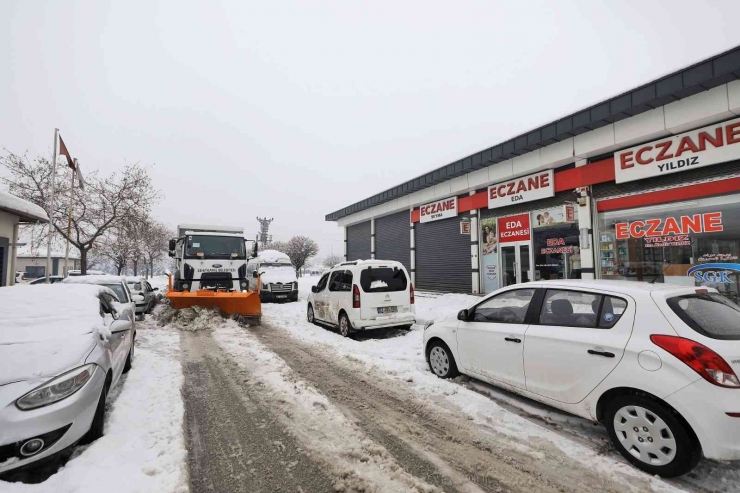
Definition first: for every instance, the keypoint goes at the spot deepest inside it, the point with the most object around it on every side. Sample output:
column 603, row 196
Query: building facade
column 33, row 263
column 14, row 211
column 644, row 186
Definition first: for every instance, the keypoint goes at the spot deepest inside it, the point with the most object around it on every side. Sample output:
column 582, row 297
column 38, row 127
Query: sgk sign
column 703, row 147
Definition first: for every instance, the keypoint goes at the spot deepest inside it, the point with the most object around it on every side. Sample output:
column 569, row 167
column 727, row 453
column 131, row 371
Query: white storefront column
column 372, row 237
column 345, row 243
column 412, row 247
column 474, row 249
column 585, row 226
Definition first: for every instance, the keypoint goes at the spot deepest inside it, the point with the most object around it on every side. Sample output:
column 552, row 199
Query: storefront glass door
column 515, row 264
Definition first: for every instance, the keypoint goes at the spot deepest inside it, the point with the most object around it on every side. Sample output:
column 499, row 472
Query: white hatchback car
column 363, row 295
column 656, row 363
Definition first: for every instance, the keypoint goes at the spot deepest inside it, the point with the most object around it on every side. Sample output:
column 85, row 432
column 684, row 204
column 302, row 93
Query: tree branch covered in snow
column 300, row 249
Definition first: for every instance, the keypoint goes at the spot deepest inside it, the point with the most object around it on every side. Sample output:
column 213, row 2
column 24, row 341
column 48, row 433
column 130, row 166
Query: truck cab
column 209, row 257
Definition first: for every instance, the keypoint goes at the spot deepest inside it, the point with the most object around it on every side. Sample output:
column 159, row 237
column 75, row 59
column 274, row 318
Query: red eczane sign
column 513, row 228
column 709, row 222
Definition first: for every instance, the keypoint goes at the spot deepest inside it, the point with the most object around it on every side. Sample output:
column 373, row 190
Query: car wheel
column 345, row 327
column 129, row 360
column 441, row 361
column 140, row 317
column 98, row 422
column 309, row 315
column 652, row 436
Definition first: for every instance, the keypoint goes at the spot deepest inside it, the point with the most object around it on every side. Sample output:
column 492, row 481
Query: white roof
column 30, row 252
column 213, row 233
column 27, row 211
column 95, row 279
column 48, row 311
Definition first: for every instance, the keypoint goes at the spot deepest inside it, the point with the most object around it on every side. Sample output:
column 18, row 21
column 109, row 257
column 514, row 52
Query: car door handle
column 512, row 339
column 601, row 353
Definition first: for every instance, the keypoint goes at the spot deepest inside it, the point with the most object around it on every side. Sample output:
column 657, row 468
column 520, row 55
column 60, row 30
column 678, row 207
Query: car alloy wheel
column 309, row 314
column 645, row 435
column 344, row 326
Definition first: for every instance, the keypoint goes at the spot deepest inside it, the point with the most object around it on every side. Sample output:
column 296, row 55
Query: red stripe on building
column 672, row 195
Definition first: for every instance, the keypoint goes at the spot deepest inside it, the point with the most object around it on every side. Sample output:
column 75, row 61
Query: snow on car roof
column 609, row 285
column 46, row 312
column 94, row 279
column 273, row 256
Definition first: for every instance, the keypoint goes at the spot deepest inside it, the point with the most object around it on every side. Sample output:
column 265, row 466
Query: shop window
column 694, row 243
column 555, row 240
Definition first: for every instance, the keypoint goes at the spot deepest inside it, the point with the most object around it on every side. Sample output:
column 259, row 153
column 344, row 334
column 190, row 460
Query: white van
column 279, row 282
column 363, row 295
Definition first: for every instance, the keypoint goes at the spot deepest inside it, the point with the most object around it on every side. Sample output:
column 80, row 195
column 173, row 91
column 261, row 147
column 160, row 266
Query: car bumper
column 382, row 323
column 705, row 407
column 281, row 296
column 16, row 426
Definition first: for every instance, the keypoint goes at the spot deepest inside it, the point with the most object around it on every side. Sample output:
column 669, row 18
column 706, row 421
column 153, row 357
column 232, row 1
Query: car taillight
column 355, row 297
column 412, row 292
column 710, row 365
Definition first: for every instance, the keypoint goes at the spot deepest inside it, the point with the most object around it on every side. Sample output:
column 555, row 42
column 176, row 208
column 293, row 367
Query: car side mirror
column 255, row 274
column 314, row 289
column 171, row 253
column 173, row 245
column 155, row 289
column 137, row 297
column 120, row 326
column 463, row 315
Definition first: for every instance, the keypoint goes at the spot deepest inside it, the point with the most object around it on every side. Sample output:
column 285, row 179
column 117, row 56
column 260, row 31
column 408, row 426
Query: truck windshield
column 215, row 247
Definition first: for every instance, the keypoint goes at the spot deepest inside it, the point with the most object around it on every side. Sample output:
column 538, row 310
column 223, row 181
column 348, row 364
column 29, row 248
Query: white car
column 117, row 284
column 656, row 363
column 62, row 349
column 363, row 295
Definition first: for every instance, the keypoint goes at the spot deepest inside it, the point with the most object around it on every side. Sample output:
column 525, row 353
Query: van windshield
column 215, row 247
column 710, row 314
column 383, row 280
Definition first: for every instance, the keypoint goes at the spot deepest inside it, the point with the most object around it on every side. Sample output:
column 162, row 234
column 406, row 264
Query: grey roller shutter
column 358, row 241
column 443, row 257
column 707, row 173
column 393, row 238
column 560, row 198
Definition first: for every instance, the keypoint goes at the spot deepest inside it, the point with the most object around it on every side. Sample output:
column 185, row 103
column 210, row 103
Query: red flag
column 64, row 152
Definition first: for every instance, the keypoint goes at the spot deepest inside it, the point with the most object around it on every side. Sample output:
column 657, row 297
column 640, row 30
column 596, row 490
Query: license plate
column 282, row 296
column 387, row 309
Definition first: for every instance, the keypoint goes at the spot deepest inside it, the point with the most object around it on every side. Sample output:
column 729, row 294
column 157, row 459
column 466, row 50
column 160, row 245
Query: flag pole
column 51, row 207
column 69, row 216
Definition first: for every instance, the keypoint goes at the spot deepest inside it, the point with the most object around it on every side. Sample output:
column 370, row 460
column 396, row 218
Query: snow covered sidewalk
column 143, row 449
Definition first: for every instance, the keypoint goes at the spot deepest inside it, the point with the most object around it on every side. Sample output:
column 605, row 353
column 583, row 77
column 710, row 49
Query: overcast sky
column 296, row 109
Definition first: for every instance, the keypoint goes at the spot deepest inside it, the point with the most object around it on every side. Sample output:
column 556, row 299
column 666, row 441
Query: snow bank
column 48, row 312
column 143, row 449
column 14, row 204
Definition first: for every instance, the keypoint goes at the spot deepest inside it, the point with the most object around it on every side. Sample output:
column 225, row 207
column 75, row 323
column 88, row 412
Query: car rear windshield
column 710, row 314
column 383, row 280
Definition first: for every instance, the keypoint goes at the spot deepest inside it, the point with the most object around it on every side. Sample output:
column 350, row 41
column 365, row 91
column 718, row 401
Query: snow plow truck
column 211, row 271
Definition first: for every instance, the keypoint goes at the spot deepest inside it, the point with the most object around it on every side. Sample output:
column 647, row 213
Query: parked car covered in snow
column 363, row 295
column 62, row 348
column 42, row 280
column 117, row 284
column 275, row 273
column 138, row 286
column 655, row 363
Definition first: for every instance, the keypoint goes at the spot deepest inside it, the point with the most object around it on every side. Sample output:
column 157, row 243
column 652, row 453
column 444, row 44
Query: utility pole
column 263, row 237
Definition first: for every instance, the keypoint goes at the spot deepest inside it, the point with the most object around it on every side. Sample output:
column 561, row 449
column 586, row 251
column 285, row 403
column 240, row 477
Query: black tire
column 129, row 360
column 440, row 360
column 345, row 326
column 686, row 452
column 98, row 422
column 310, row 314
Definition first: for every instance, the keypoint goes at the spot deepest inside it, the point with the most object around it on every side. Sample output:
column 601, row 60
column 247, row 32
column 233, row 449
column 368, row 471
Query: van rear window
column 383, row 280
column 710, row 314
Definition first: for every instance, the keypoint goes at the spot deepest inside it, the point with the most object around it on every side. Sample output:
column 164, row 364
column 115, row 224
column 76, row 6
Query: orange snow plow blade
column 247, row 306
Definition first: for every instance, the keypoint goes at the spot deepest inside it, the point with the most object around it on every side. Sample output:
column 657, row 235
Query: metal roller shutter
column 560, row 198
column 443, row 257
column 358, row 241
column 707, row 173
column 393, row 238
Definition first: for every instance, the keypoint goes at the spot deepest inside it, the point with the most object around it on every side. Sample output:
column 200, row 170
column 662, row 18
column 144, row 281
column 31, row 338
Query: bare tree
column 155, row 238
column 116, row 245
column 280, row 246
column 102, row 205
column 299, row 250
column 332, row 260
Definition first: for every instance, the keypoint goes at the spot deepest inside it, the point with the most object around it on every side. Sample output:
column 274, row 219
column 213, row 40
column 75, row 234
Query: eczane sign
column 714, row 144
column 441, row 209
column 532, row 187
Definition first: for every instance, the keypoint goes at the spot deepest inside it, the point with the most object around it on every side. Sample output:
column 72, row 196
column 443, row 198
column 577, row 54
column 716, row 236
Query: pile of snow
column 273, row 256
column 94, row 279
column 19, row 206
column 191, row 319
column 48, row 312
column 143, row 448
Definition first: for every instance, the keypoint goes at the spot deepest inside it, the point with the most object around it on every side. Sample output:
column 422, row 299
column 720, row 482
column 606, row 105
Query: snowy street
column 290, row 406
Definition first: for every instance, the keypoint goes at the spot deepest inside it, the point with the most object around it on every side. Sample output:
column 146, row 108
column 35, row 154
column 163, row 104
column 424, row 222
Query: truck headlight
column 244, row 284
column 185, row 286
column 57, row 388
